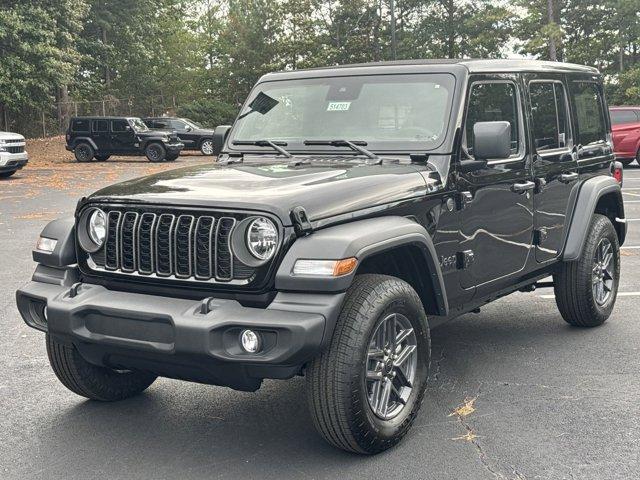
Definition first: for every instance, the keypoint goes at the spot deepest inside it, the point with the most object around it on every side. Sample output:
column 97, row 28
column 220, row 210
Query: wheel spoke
column 402, row 335
column 404, row 355
column 396, row 391
column 383, row 403
column 374, row 375
column 391, row 331
column 402, row 378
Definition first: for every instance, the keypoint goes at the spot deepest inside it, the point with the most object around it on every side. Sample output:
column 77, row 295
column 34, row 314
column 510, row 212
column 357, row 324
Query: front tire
column 586, row 288
column 91, row 381
column 155, row 152
column 102, row 158
column 365, row 389
column 84, row 152
column 7, row 174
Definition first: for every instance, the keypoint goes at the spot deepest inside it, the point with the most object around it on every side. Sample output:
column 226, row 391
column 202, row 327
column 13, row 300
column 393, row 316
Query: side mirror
column 219, row 137
column 491, row 140
column 188, row 128
column 127, row 128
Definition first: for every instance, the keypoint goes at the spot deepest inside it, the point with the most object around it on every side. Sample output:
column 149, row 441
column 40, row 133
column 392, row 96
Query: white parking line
column 630, row 247
column 632, row 194
column 620, row 294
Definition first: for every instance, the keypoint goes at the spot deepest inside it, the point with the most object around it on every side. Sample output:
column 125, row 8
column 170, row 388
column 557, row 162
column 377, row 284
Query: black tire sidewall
column 601, row 227
column 153, row 146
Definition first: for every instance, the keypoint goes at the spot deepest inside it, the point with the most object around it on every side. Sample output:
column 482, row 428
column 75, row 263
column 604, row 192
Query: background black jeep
column 192, row 134
column 101, row 137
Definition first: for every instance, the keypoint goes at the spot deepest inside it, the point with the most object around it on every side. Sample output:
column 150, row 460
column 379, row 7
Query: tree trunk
column 107, row 71
column 64, row 107
column 553, row 52
column 392, row 8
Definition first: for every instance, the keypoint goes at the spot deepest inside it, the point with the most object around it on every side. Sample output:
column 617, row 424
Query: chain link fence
column 53, row 121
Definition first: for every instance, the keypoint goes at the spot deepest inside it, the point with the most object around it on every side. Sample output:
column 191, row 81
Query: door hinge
column 464, row 259
column 301, row 222
column 463, row 199
column 539, row 236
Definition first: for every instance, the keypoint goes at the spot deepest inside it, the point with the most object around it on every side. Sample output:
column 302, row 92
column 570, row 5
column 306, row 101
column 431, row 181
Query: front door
column 122, row 136
column 555, row 166
column 184, row 131
column 496, row 221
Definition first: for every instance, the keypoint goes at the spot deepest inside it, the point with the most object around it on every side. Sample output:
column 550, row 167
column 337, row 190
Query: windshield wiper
column 355, row 145
column 277, row 146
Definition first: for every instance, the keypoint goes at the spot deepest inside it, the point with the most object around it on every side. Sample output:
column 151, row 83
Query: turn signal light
column 325, row 268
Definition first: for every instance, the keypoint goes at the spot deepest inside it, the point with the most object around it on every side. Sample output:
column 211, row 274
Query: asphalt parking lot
column 514, row 391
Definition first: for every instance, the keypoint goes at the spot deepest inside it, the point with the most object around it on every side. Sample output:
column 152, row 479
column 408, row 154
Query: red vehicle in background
column 625, row 126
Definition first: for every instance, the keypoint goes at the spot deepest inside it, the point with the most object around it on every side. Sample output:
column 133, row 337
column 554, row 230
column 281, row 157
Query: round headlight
column 262, row 238
column 97, row 227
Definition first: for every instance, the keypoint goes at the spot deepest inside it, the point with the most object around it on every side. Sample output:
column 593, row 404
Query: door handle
column 568, row 177
column 522, row 187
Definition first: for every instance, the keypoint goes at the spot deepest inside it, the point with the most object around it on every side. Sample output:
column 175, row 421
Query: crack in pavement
column 473, row 439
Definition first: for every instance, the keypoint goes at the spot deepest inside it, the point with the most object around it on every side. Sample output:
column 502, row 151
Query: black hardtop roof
column 438, row 65
column 100, row 117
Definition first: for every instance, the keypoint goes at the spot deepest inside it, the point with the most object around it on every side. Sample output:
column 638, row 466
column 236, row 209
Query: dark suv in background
column 192, row 134
column 100, row 137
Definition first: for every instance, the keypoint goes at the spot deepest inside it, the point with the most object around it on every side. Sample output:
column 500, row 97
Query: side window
column 80, row 125
column 490, row 102
column 100, row 126
column 178, row 125
column 550, row 119
column 119, row 125
column 620, row 117
column 587, row 103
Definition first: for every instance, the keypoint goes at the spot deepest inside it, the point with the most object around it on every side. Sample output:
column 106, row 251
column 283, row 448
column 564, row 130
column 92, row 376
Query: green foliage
column 206, row 54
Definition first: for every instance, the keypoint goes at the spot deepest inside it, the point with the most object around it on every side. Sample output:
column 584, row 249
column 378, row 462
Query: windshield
column 388, row 112
column 139, row 125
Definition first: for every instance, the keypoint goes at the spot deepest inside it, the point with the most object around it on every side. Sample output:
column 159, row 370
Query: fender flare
column 360, row 239
column 88, row 140
column 64, row 253
column 591, row 191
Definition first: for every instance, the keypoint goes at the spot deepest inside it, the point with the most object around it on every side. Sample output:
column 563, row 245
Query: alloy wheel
column 392, row 361
column 602, row 280
column 207, row 147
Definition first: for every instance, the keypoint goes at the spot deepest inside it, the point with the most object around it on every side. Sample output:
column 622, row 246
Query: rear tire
column 91, row 381
column 83, row 152
column 206, row 147
column 586, row 288
column 626, row 161
column 7, row 174
column 102, row 158
column 346, row 383
column 155, row 152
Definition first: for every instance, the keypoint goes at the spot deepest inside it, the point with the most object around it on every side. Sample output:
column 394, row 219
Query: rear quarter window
column 589, row 112
column 81, row 125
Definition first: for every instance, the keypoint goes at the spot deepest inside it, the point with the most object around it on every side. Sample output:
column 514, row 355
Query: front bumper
column 174, row 147
column 12, row 161
column 178, row 338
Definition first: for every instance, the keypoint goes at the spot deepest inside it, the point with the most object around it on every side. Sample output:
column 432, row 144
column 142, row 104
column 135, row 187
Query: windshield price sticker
column 338, row 106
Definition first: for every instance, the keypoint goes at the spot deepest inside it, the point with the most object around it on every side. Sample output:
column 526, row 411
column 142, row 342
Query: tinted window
column 623, row 116
column 100, row 126
column 178, row 124
column 587, row 101
column 490, row 102
column 550, row 119
column 80, row 125
column 119, row 125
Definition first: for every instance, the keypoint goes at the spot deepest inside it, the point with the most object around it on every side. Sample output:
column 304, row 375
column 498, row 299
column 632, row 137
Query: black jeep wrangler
column 100, row 137
column 192, row 134
column 352, row 210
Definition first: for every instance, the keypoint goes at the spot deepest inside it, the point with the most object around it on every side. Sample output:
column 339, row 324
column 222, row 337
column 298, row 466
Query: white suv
column 12, row 154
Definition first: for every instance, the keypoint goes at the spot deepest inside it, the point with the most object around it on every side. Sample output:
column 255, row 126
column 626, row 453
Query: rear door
column 555, row 166
column 496, row 223
column 122, row 136
column 100, row 134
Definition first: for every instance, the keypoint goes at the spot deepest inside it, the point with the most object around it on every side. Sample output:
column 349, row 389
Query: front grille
column 177, row 245
column 14, row 149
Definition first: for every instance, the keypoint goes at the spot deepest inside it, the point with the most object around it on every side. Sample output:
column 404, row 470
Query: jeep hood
column 323, row 189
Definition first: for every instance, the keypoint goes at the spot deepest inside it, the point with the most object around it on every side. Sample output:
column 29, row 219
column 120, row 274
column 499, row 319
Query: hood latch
column 300, row 221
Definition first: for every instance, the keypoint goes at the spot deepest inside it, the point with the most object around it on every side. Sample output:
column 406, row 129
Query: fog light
column 250, row 341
